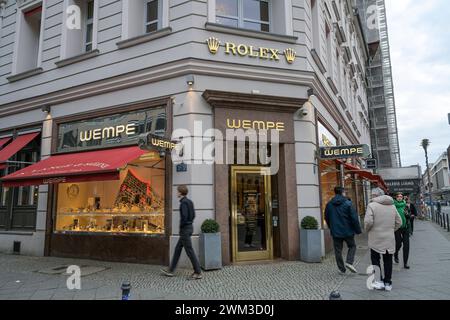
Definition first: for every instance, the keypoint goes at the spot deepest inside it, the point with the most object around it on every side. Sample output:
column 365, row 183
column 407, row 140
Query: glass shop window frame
column 241, row 19
column 9, row 197
column 158, row 20
column 163, row 233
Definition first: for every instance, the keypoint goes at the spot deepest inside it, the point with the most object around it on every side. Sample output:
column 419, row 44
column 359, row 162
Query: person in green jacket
column 402, row 234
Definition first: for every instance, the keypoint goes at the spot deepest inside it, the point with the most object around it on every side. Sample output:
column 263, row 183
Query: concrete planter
column 210, row 249
column 311, row 245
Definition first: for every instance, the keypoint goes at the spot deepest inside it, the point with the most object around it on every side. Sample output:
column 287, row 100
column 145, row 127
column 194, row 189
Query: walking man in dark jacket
column 343, row 222
column 187, row 216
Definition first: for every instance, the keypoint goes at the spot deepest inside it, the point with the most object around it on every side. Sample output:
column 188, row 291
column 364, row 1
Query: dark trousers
column 387, row 262
column 338, row 246
column 186, row 243
column 402, row 239
column 412, row 225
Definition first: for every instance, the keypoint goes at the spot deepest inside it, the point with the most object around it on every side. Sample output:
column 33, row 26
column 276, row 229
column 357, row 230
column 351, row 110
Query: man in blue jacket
column 343, row 222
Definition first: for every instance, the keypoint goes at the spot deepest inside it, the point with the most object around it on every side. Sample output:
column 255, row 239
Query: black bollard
column 448, row 223
column 335, row 295
column 126, row 288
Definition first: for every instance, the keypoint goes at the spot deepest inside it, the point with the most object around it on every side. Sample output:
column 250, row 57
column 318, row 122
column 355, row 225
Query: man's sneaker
column 377, row 285
column 167, row 273
column 388, row 287
column 351, row 268
column 407, row 267
column 342, row 273
column 196, row 276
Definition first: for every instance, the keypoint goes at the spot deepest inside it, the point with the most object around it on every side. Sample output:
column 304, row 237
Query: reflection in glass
column 227, row 7
column 251, row 212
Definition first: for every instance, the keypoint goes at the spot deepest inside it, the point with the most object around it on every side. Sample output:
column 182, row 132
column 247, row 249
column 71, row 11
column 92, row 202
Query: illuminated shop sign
column 111, row 131
column 345, row 152
column 405, row 186
column 243, row 50
column 255, row 125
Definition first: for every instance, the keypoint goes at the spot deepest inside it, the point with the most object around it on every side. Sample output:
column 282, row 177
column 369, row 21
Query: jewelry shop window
column 134, row 204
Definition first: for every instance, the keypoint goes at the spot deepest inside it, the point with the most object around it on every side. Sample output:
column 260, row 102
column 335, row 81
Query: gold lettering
column 270, row 125
column 246, row 124
column 274, row 54
column 280, row 126
column 242, row 50
column 252, row 53
column 264, row 53
column 345, row 151
column 328, row 152
column 360, row 150
column 260, row 125
column 230, row 46
column 234, row 124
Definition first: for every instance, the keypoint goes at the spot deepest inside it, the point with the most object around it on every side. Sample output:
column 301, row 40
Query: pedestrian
column 402, row 234
column 412, row 213
column 343, row 222
column 187, row 216
column 381, row 221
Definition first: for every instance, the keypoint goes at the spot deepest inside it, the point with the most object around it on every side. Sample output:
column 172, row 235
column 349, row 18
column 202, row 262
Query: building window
column 18, row 205
column 247, row 14
column 28, row 42
column 89, row 26
column 152, row 15
column 77, row 41
column 133, row 204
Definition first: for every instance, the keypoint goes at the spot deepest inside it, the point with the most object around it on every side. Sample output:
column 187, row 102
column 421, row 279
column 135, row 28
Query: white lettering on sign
column 108, row 132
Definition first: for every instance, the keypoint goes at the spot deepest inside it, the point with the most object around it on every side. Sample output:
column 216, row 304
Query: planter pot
column 210, row 247
column 311, row 245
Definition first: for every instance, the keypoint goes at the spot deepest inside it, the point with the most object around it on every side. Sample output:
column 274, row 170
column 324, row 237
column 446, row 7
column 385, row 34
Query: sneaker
column 378, row 285
column 167, row 273
column 407, row 267
column 351, row 268
column 196, row 276
column 342, row 273
column 396, row 260
column 388, row 287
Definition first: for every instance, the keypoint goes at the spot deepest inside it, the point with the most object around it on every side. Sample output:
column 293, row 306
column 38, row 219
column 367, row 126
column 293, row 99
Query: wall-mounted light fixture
column 46, row 109
column 190, row 80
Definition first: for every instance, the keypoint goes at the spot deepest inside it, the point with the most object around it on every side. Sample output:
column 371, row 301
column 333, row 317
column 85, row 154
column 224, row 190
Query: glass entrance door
column 251, row 214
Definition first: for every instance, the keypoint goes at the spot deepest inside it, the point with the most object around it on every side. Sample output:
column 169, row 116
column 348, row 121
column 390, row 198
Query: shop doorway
column 251, row 213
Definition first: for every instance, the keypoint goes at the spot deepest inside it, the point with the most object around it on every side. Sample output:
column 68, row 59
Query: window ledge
column 17, row 233
column 24, row 75
column 77, row 58
column 144, row 38
column 251, row 33
column 318, row 60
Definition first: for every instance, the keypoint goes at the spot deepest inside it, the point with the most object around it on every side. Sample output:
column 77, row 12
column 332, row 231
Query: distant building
column 406, row 180
column 382, row 114
column 440, row 178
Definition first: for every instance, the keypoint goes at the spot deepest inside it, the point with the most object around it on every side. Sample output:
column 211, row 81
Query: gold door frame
column 251, row 255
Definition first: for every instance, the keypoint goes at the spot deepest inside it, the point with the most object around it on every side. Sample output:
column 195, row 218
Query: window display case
column 132, row 205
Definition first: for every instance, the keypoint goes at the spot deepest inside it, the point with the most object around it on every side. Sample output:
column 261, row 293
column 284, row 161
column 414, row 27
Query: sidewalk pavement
column 428, row 278
column 20, row 279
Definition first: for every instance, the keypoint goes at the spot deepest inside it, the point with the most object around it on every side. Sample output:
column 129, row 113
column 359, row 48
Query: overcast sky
column 419, row 34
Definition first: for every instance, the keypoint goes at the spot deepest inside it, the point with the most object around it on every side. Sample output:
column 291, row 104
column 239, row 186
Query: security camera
column 302, row 112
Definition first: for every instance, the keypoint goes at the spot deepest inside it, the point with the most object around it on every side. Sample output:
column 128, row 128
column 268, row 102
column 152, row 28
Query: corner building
column 75, row 94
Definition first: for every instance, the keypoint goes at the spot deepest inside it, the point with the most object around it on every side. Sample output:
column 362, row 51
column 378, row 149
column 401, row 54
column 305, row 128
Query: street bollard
column 126, row 288
column 448, row 223
column 335, row 295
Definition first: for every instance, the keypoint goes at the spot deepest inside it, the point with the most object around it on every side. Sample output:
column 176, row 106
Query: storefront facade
column 175, row 78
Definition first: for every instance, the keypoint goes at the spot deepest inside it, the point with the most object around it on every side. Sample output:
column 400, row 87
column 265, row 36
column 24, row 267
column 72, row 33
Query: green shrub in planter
column 310, row 240
column 210, row 226
column 309, row 223
column 210, row 245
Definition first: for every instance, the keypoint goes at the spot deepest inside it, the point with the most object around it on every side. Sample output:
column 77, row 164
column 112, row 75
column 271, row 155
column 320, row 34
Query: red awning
column 75, row 167
column 4, row 141
column 365, row 174
column 18, row 144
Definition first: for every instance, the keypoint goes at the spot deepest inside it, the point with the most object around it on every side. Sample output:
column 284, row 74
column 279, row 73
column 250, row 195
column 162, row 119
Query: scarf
column 401, row 206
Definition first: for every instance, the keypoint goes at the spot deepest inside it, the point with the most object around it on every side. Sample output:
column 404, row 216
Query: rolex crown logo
column 290, row 55
column 213, row 45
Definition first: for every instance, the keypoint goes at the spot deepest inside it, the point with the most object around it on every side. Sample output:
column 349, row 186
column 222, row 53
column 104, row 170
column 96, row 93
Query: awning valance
column 365, row 174
column 75, row 167
column 15, row 146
